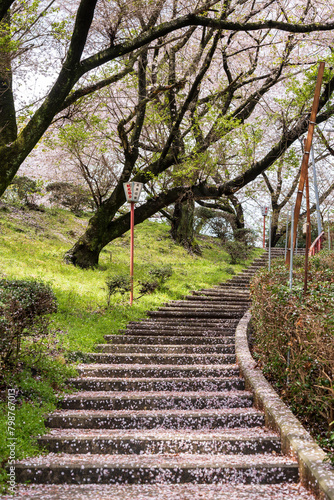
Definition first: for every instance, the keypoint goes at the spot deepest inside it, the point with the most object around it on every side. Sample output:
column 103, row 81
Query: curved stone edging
column 314, row 473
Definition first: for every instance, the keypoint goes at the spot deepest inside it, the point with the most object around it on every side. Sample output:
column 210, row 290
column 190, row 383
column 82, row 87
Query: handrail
column 316, row 245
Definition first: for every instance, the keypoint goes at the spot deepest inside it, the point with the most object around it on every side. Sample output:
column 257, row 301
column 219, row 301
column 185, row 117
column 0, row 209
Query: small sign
column 132, row 191
column 264, row 211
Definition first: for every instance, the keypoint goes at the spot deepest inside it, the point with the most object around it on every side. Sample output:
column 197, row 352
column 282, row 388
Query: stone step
column 168, row 339
column 187, row 322
column 203, row 306
column 125, row 442
column 163, row 359
column 157, row 371
column 198, row 314
column 155, row 419
column 218, row 298
column 158, row 491
column 167, row 349
column 162, row 384
column 222, row 293
column 184, row 330
column 167, row 468
column 181, row 330
column 223, row 288
column 194, row 400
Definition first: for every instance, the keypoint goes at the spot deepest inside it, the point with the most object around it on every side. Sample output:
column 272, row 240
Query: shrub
column 70, row 196
column 237, row 251
column 161, row 273
column 246, row 236
column 23, row 306
column 118, row 283
column 24, row 189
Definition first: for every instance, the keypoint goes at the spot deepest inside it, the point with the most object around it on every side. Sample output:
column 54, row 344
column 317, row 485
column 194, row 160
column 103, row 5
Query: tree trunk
column 8, row 126
column 182, row 230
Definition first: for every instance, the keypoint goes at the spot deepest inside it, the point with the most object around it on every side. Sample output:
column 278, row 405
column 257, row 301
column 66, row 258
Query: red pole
column 264, row 231
column 132, row 223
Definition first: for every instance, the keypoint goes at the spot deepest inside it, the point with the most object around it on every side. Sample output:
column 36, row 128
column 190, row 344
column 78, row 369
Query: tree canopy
column 186, row 92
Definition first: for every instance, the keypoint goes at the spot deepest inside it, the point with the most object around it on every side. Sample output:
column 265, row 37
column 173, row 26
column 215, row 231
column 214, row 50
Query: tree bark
column 8, row 126
column 182, row 230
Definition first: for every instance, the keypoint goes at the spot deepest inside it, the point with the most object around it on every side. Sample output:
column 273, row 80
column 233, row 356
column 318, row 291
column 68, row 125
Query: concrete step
column 198, row 314
column 127, row 442
column 167, row 349
column 162, row 384
column 140, row 469
column 168, row 339
column 157, row 371
column 223, row 293
column 222, row 288
column 156, row 400
column 186, row 322
column 187, row 327
column 156, row 419
column 226, row 298
column 182, row 331
column 203, row 306
column 159, row 491
column 163, row 359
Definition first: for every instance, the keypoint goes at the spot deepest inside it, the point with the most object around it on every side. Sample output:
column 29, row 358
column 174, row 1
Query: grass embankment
column 33, row 244
column 296, row 352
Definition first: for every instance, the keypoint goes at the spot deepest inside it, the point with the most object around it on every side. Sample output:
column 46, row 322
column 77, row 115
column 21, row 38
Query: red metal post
column 132, row 223
column 264, row 231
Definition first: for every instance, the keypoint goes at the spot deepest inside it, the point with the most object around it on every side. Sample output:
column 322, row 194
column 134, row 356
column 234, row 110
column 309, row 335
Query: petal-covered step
column 157, row 371
column 152, row 419
column 195, row 400
column 195, row 313
column 163, row 359
column 167, row 349
column 185, row 491
column 109, row 469
column 202, row 340
column 155, row 384
column 126, row 442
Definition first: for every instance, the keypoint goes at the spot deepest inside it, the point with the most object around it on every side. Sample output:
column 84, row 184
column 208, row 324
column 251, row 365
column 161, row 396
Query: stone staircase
column 163, row 405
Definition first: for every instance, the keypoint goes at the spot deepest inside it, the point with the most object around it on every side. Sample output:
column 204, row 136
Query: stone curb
column 315, row 474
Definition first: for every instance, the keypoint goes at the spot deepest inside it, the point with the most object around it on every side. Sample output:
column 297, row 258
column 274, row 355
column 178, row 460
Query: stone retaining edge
column 315, row 474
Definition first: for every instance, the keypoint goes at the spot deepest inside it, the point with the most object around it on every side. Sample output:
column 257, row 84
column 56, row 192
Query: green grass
column 33, row 244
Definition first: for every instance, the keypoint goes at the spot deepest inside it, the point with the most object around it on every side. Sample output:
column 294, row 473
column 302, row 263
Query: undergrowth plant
column 297, row 352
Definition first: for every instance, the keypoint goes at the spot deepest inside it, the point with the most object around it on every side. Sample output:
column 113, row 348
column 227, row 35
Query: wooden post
column 307, row 149
column 308, row 230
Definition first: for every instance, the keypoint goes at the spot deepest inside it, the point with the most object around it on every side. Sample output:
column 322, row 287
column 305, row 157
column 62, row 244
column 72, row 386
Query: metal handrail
column 316, row 245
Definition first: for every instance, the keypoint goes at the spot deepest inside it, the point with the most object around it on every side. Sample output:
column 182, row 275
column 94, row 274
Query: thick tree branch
column 4, row 7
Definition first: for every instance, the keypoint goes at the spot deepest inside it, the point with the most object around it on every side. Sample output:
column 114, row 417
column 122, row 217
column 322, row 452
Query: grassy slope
column 32, row 244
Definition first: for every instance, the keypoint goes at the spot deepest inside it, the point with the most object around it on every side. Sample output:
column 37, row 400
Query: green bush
column 24, row 190
column 73, row 197
column 237, row 250
column 24, row 305
column 158, row 276
column 161, row 273
column 118, row 283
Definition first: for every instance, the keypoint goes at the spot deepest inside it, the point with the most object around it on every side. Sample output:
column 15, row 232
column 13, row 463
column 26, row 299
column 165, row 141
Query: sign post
column 132, row 193
column 264, row 211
